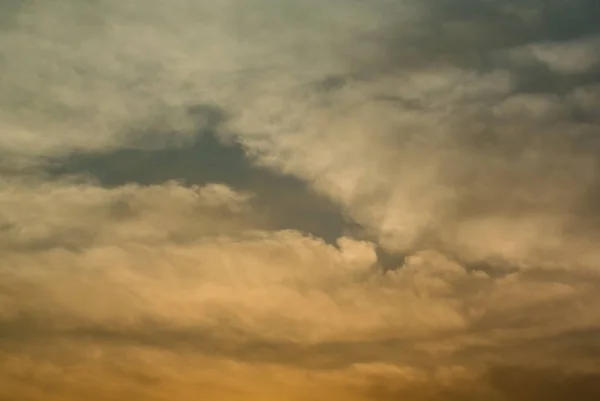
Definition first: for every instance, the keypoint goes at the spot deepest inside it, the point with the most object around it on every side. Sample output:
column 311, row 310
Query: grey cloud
column 503, row 151
column 220, row 342
column 569, row 58
column 467, row 33
column 163, row 164
column 286, row 201
column 9, row 12
column 482, row 36
column 501, row 383
column 530, row 384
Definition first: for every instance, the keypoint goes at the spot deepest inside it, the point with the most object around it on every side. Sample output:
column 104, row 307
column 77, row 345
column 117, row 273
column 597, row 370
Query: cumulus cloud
column 299, row 200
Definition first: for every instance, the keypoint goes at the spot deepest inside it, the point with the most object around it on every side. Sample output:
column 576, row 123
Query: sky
column 285, row 200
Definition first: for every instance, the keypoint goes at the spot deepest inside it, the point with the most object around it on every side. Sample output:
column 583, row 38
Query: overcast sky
column 299, row 200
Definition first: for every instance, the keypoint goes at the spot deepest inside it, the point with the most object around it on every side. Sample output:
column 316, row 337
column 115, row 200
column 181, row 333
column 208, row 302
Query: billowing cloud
column 299, row 200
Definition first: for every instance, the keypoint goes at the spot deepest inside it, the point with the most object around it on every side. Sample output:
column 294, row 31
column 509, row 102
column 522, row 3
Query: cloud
column 564, row 58
column 175, row 265
column 498, row 383
column 115, row 373
column 299, row 200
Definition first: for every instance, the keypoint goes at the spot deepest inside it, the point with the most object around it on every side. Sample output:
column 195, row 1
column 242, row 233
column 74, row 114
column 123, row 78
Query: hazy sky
column 300, row 200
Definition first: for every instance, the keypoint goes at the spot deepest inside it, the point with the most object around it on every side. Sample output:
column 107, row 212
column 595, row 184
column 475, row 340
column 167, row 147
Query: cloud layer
column 288, row 200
